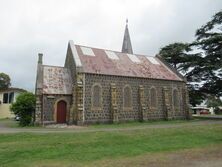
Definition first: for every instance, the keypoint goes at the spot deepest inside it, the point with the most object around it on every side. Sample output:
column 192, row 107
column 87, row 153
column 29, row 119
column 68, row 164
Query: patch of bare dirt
column 65, row 126
column 201, row 157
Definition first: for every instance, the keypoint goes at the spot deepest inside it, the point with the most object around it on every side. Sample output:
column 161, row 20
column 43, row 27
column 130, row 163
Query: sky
column 29, row 27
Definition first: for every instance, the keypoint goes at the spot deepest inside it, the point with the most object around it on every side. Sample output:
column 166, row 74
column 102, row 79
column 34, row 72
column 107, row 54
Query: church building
column 103, row 86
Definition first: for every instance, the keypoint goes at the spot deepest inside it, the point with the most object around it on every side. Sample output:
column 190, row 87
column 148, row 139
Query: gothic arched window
column 153, row 102
column 127, row 97
column 96, row 96
column 175, row 98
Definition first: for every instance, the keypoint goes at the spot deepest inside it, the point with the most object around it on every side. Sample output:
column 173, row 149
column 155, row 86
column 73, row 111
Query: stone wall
column 70, row 64
column 92, row 115
column 49, row 107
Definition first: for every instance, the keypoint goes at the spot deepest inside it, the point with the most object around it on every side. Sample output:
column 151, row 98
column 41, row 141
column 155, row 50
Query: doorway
column 61, row 112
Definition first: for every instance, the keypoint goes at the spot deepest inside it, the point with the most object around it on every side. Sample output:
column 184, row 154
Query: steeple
column 127, row 47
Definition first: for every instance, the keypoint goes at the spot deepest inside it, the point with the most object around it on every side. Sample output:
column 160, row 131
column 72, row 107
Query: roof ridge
column 112, row 50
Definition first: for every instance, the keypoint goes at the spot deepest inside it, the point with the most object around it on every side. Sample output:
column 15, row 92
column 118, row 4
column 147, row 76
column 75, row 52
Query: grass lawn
column 86, row 149
column 138, row 124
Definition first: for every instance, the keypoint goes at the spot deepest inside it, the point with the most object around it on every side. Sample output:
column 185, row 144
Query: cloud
column 32, row 26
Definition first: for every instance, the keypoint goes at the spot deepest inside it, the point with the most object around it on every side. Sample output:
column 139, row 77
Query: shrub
column 24, row 107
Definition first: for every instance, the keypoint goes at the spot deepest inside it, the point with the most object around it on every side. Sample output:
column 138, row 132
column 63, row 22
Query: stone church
column 103, row 86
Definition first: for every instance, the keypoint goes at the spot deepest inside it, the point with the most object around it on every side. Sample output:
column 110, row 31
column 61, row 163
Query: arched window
column 127, row 97
column 153, row 102
column 175, row 98
column 96, row 96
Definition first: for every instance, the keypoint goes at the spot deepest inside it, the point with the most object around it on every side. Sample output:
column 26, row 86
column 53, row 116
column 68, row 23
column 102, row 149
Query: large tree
column 5, row 81
column 208, row 71
column 178, row 56
column 202, row 70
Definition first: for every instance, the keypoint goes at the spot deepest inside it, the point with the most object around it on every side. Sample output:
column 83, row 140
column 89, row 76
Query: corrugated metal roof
column 125, row 66
column 56, row 80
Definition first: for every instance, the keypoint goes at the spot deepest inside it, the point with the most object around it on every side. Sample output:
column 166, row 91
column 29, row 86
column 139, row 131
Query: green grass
column 137, row 123
column 30, row 149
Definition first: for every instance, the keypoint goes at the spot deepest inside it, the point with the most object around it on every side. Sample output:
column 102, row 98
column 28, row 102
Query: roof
column 56, row 80
column 102, row 61
column 12, row 89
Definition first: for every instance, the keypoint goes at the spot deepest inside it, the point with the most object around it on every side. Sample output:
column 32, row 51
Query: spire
column 127, row 47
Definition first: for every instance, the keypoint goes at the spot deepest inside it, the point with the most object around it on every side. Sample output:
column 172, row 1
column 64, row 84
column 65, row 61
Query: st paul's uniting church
column 104, row 86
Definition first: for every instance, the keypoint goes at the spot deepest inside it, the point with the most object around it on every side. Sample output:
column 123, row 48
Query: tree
column 202, row 70
column 5, row 81
column 24, row 107
column 195, row 96
column 178, row 56
column 175, row 54
column 209, row 67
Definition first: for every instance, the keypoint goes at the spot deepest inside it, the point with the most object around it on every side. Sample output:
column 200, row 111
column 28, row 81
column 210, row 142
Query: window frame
column 8, row 97
column 11, row 97
column 5, row 99
column 176, row 99
column 93, row 107
column 151, row 97
column 130, row 107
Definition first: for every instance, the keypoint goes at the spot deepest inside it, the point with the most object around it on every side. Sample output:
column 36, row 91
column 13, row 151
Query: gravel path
column 78, row 129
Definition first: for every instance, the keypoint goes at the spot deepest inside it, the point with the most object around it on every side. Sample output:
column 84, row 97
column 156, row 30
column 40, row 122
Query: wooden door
column 61, row 112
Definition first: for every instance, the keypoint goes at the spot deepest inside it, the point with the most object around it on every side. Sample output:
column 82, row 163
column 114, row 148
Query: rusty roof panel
column 124, row 66
column 56, row 80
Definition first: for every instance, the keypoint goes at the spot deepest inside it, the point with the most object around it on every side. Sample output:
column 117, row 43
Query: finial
column 126, row 20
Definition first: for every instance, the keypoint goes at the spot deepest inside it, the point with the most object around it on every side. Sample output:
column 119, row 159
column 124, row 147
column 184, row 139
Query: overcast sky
column 28, row 27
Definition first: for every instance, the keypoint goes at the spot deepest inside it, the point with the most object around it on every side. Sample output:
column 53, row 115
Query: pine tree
column 178, row 56
column 202, row 70
column 209, row 67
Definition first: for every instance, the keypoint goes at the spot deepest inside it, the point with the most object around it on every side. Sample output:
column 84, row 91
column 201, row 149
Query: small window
column 153, row 97
column 175, row 98
column 11, row 97
column 96, row 96
column 5, row 98
column 127, row 97
column 8, row 97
